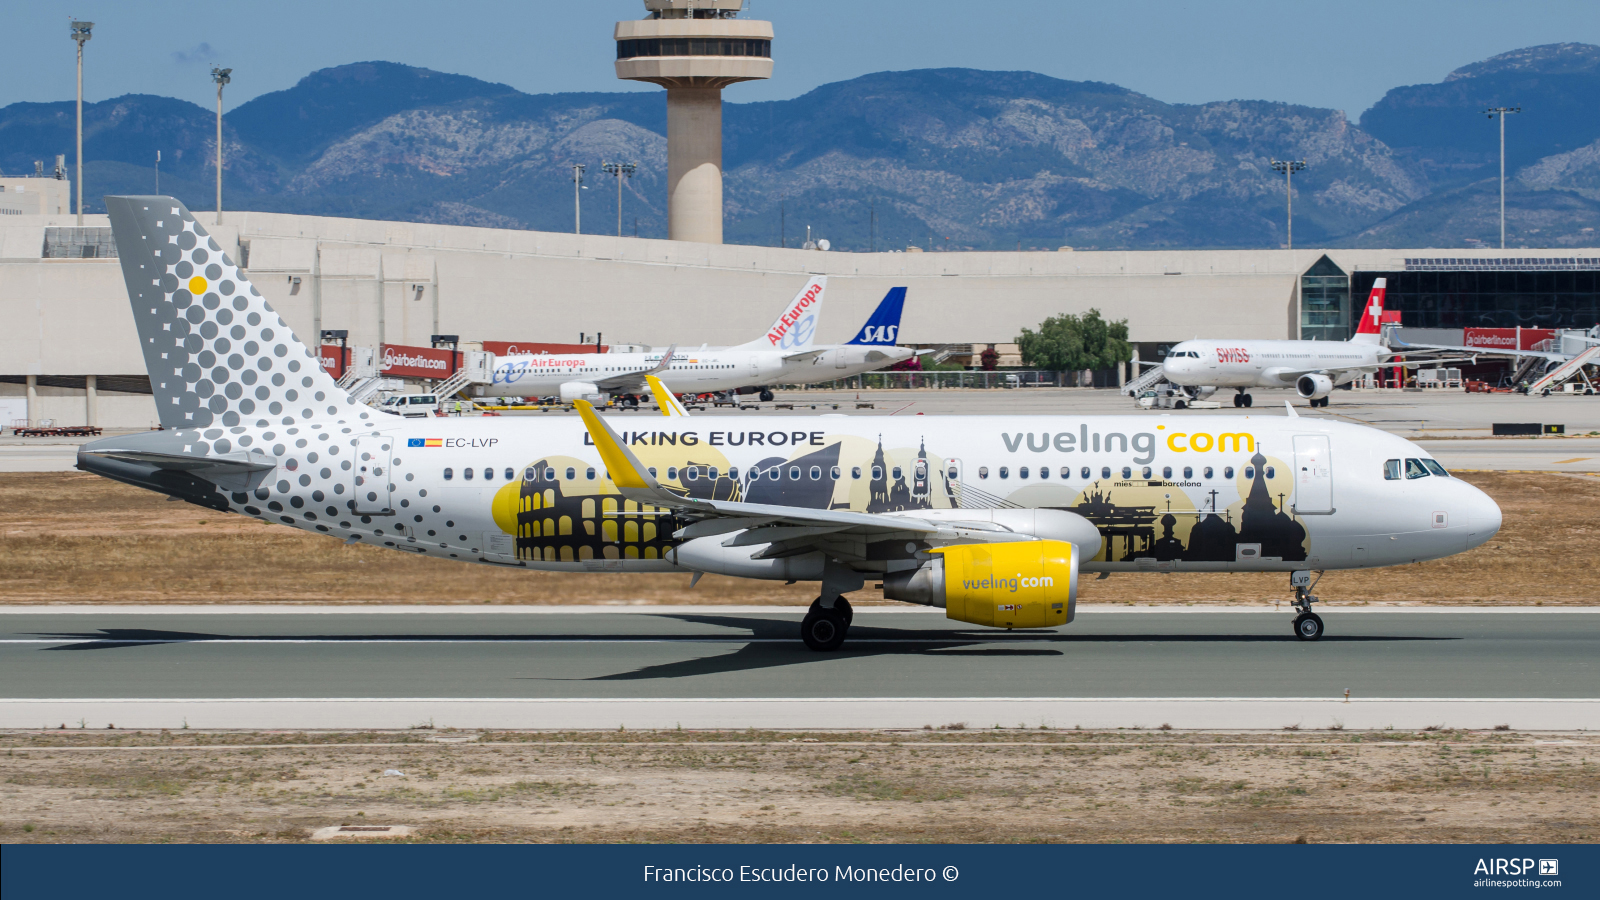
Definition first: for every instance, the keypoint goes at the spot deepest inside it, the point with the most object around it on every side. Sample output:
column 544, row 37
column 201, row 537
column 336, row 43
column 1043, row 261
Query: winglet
column 625, row 468
column 1289, row 406
column 664, row 399
column 666, row 360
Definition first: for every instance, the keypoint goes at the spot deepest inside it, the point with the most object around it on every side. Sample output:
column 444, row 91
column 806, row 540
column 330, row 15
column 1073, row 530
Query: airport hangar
column 68, row 351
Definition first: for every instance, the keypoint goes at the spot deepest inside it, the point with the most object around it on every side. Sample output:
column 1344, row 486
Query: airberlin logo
column 795, row 328
column 1233, row 355
column 392, row 359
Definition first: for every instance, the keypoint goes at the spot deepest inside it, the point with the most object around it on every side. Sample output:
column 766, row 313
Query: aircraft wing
column 806, row 354
column 1291, row 374
column 1488, row 351
column 790, row 530
column 634, row 382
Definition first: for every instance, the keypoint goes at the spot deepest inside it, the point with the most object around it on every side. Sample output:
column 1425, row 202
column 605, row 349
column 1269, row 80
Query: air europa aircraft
column 786, row 352
column 993, row 518
column 1312, row 368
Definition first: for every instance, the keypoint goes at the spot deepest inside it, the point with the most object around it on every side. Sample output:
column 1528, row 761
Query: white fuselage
column 1269, row 364
column 1234, row 493
column 691, row 372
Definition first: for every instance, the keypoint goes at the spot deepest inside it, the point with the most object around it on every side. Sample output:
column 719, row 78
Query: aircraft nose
column 1482, row 515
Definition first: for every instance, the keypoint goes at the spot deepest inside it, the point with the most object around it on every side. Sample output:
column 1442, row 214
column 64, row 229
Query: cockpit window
column 1435, row 468
column 1415, row 469
column 1391, row 470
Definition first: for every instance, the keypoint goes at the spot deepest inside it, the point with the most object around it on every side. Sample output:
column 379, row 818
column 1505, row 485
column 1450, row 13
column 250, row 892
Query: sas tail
column 1371, row 327
column 217, row 353
column 796, row 328
column 883, row 326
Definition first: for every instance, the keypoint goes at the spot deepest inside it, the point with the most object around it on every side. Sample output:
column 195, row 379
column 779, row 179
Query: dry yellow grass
column 77, row 538
column 774, row 787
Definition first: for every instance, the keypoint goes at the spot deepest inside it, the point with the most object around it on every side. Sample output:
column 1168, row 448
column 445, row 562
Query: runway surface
column 713, row 667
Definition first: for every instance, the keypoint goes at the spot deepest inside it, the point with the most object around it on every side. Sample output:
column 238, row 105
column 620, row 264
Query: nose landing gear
column 1307, row 625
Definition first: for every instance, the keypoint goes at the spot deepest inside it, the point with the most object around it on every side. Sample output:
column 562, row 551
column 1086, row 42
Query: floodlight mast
column 81, row 32
column 1502, row 112
column 619, row 171
column 221, row 77
column 577, row 209
column 1288, row 168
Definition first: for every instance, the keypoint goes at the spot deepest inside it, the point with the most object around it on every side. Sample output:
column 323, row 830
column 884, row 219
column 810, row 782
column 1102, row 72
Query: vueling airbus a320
column 992, row 518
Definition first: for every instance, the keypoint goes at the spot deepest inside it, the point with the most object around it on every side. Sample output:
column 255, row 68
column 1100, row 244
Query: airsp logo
column 879, row 334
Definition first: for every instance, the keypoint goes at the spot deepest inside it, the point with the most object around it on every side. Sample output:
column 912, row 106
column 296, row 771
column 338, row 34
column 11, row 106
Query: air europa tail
column 883, row 327
column 796, row 328
column 1371, row 326
column 217, row 353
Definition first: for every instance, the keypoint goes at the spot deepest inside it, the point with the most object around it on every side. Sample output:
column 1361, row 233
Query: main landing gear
column 826, row 628
column 1307, row 625
column 1242, row 399
column 1322, row 402
column 766, row 395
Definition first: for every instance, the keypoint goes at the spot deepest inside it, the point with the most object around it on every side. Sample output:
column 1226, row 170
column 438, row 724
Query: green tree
column 1069, row 343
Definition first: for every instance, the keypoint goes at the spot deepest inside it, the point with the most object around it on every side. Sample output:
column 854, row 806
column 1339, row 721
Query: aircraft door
column 370, row 476
column 951, row 482
column 1313, row 475
column 838, row 358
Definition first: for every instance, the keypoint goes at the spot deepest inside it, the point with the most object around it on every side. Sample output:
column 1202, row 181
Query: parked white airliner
column 1312, row 368
column 785, row 353
column 993, row 518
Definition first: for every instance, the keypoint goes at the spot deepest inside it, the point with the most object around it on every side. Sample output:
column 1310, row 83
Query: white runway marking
column 1188, row 713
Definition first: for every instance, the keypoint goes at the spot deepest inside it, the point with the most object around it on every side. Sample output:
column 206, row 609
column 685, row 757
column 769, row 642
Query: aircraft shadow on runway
column 772, row 643
column 867, row 641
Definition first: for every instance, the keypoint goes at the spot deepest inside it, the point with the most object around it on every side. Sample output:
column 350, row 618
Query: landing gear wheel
column 1308, row 626
column 1238, row 400
column 766, row 396
column 823, row 630
column 841, row 606
column 1248, row 401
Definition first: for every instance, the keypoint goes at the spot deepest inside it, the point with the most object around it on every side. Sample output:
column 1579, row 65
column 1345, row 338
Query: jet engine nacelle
column 1313, row 387
column 1016, row 584
column 1203, row 392
column 582, row 390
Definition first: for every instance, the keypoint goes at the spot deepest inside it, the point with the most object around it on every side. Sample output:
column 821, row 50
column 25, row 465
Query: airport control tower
column 694, row 48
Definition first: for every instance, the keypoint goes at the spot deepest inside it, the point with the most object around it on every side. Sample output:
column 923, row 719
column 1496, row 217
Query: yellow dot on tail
column 197, row 285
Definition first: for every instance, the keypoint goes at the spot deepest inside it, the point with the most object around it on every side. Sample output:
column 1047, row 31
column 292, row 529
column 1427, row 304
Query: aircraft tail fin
column 217, row 353
column 1371, row 327
column 796, row 328
column 883, row 326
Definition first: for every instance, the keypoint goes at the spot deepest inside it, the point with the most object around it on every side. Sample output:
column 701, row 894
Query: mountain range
column 952, row 158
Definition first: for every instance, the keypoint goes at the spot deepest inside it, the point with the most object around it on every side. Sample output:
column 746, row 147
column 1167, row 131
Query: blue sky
column 1343, row 55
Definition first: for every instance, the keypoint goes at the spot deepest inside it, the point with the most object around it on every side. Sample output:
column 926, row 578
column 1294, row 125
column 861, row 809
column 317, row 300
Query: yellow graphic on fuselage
column 567, row 510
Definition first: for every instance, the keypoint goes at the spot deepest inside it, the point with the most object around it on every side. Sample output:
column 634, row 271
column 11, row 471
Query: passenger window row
column 1146, row 472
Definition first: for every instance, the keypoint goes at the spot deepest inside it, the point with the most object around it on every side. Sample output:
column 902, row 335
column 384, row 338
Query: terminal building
column 69, row 351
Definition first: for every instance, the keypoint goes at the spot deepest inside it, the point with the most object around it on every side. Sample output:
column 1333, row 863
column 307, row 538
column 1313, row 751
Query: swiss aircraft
column 785, row 353
column 1312, row 368
column 995, row 519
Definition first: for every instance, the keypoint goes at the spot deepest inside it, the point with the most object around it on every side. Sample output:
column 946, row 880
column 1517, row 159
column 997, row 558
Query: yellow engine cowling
column 1016, row 584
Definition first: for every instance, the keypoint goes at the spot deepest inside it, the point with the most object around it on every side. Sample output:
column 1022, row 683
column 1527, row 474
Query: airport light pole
column 1288, row 168
column 221, row 77
column 1502, row 112
column 80, row 33
column 619, row 171
column 577, row 209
